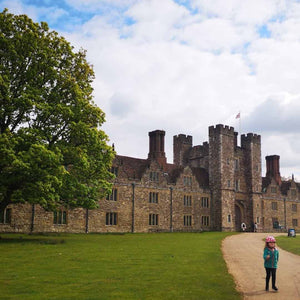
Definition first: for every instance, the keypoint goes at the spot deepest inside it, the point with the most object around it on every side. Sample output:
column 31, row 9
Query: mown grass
column 107, row 266
column 291, row 244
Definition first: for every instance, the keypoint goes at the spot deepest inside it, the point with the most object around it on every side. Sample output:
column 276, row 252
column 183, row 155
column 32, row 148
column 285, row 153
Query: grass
column 291, row 244
column 110, row 266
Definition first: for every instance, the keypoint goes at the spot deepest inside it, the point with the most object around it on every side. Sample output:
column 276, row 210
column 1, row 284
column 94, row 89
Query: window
column 228, row 161
column 294, row 207
column 153, row 176
column 237, row 185
column 257, row 220
column 229, row 218
column 114, row 170
column 204, row 202
column 205, row 220
column 295, row 222
column 187, row 180
column 111, row 218
column 113, row 196
column 60, row 217
column 273, row 190
column 153, row 197
column 5, row 216
column 187, row 200
column 275, row 223
column 236, row 164
column 187, row 220
column 274, row 206
column 228, row 183
column 153, row 219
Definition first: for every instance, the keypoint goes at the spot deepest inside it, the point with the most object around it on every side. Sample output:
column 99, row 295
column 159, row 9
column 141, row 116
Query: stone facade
column 213, row 186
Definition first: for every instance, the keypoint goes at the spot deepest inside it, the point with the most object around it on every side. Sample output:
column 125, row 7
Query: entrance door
column 238, row 218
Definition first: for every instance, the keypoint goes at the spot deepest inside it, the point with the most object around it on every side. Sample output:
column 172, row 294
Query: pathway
column 243, row 255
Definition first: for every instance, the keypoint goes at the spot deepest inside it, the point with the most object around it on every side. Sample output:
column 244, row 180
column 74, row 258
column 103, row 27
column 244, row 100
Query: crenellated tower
column 251, row 146
column 222, row 141
column 182, row 144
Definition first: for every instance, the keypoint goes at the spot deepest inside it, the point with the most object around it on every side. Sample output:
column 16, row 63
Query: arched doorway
column 238, row 217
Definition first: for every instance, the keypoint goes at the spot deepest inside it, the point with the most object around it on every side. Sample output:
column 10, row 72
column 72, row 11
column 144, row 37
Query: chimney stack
column 157, row 147
column 273, row 168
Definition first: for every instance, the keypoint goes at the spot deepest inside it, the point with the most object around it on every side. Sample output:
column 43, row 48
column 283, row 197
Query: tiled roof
column 265, row 183
column 134, row 168
column 202, row 176
column 174, row 172
column 285, row 186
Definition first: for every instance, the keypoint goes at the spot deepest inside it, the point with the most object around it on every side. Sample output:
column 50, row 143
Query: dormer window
column 153, row 176
column 115, row 171
column 187, row 180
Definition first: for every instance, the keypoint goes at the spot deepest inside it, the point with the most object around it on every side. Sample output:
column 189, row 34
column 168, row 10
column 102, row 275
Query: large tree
column 52, row 151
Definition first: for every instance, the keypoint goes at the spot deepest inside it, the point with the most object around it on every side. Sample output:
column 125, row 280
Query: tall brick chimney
column 273, row 170
column 157, row 147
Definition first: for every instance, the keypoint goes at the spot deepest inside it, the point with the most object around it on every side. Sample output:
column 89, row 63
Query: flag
column 238, row 116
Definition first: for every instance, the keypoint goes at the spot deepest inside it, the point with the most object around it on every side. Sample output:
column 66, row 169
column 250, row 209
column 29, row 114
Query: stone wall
column 234, row 193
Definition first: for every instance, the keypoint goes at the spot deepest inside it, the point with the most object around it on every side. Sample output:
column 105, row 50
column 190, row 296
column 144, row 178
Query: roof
column 285, row 186
column 265, row 183
column 134, row 168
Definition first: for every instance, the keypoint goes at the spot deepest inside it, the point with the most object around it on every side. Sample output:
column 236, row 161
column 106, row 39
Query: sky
column 184, row 65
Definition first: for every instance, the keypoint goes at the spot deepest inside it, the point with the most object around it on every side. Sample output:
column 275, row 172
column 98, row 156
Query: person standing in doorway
column 255, row 227
column 243, row 227
column 271, row 256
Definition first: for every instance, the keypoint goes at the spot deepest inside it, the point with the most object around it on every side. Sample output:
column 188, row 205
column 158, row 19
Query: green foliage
column 105, row 266
column 291, row 244
column 51, row 149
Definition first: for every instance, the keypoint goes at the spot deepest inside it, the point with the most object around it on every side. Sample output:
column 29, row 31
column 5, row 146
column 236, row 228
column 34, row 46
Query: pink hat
column 270, row 239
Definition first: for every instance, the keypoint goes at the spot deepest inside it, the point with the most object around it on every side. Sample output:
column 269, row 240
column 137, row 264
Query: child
column 271, row 256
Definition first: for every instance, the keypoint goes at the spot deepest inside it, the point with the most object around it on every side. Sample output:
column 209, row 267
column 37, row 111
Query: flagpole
column 240, row 124
column 238, row 116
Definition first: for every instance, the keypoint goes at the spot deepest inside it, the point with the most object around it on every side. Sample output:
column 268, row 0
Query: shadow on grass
column 21, row 240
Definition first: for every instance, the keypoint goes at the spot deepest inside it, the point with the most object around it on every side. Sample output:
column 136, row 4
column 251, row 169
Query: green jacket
column 273, row 260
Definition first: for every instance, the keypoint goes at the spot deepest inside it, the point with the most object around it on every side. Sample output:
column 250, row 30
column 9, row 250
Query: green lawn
column 111, row 266
column 291, row 244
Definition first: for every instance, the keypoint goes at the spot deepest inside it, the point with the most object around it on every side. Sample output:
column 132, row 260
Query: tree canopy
column 52, row 151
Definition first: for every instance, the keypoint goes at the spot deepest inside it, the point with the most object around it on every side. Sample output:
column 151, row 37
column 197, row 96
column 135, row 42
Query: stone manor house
column 213, row 186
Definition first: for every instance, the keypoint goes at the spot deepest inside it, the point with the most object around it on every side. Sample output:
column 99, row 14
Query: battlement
column 183, row 139
column 181, row 146
column 250, row 138
column 221, row 129
column 200, row 150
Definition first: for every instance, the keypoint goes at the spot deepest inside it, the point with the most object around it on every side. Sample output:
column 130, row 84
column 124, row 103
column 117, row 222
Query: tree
column 52, row 151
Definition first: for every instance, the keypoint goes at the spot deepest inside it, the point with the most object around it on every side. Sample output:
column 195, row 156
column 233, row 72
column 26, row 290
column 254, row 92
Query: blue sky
column 184, row 65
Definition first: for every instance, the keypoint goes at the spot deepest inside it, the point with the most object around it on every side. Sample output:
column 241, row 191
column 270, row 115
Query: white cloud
column 94, row 5
column 161, row 65
column 254, row 12
column 277, row 64
column 216, row 34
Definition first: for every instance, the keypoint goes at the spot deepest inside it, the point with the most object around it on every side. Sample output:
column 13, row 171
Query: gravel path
column 243, row 256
